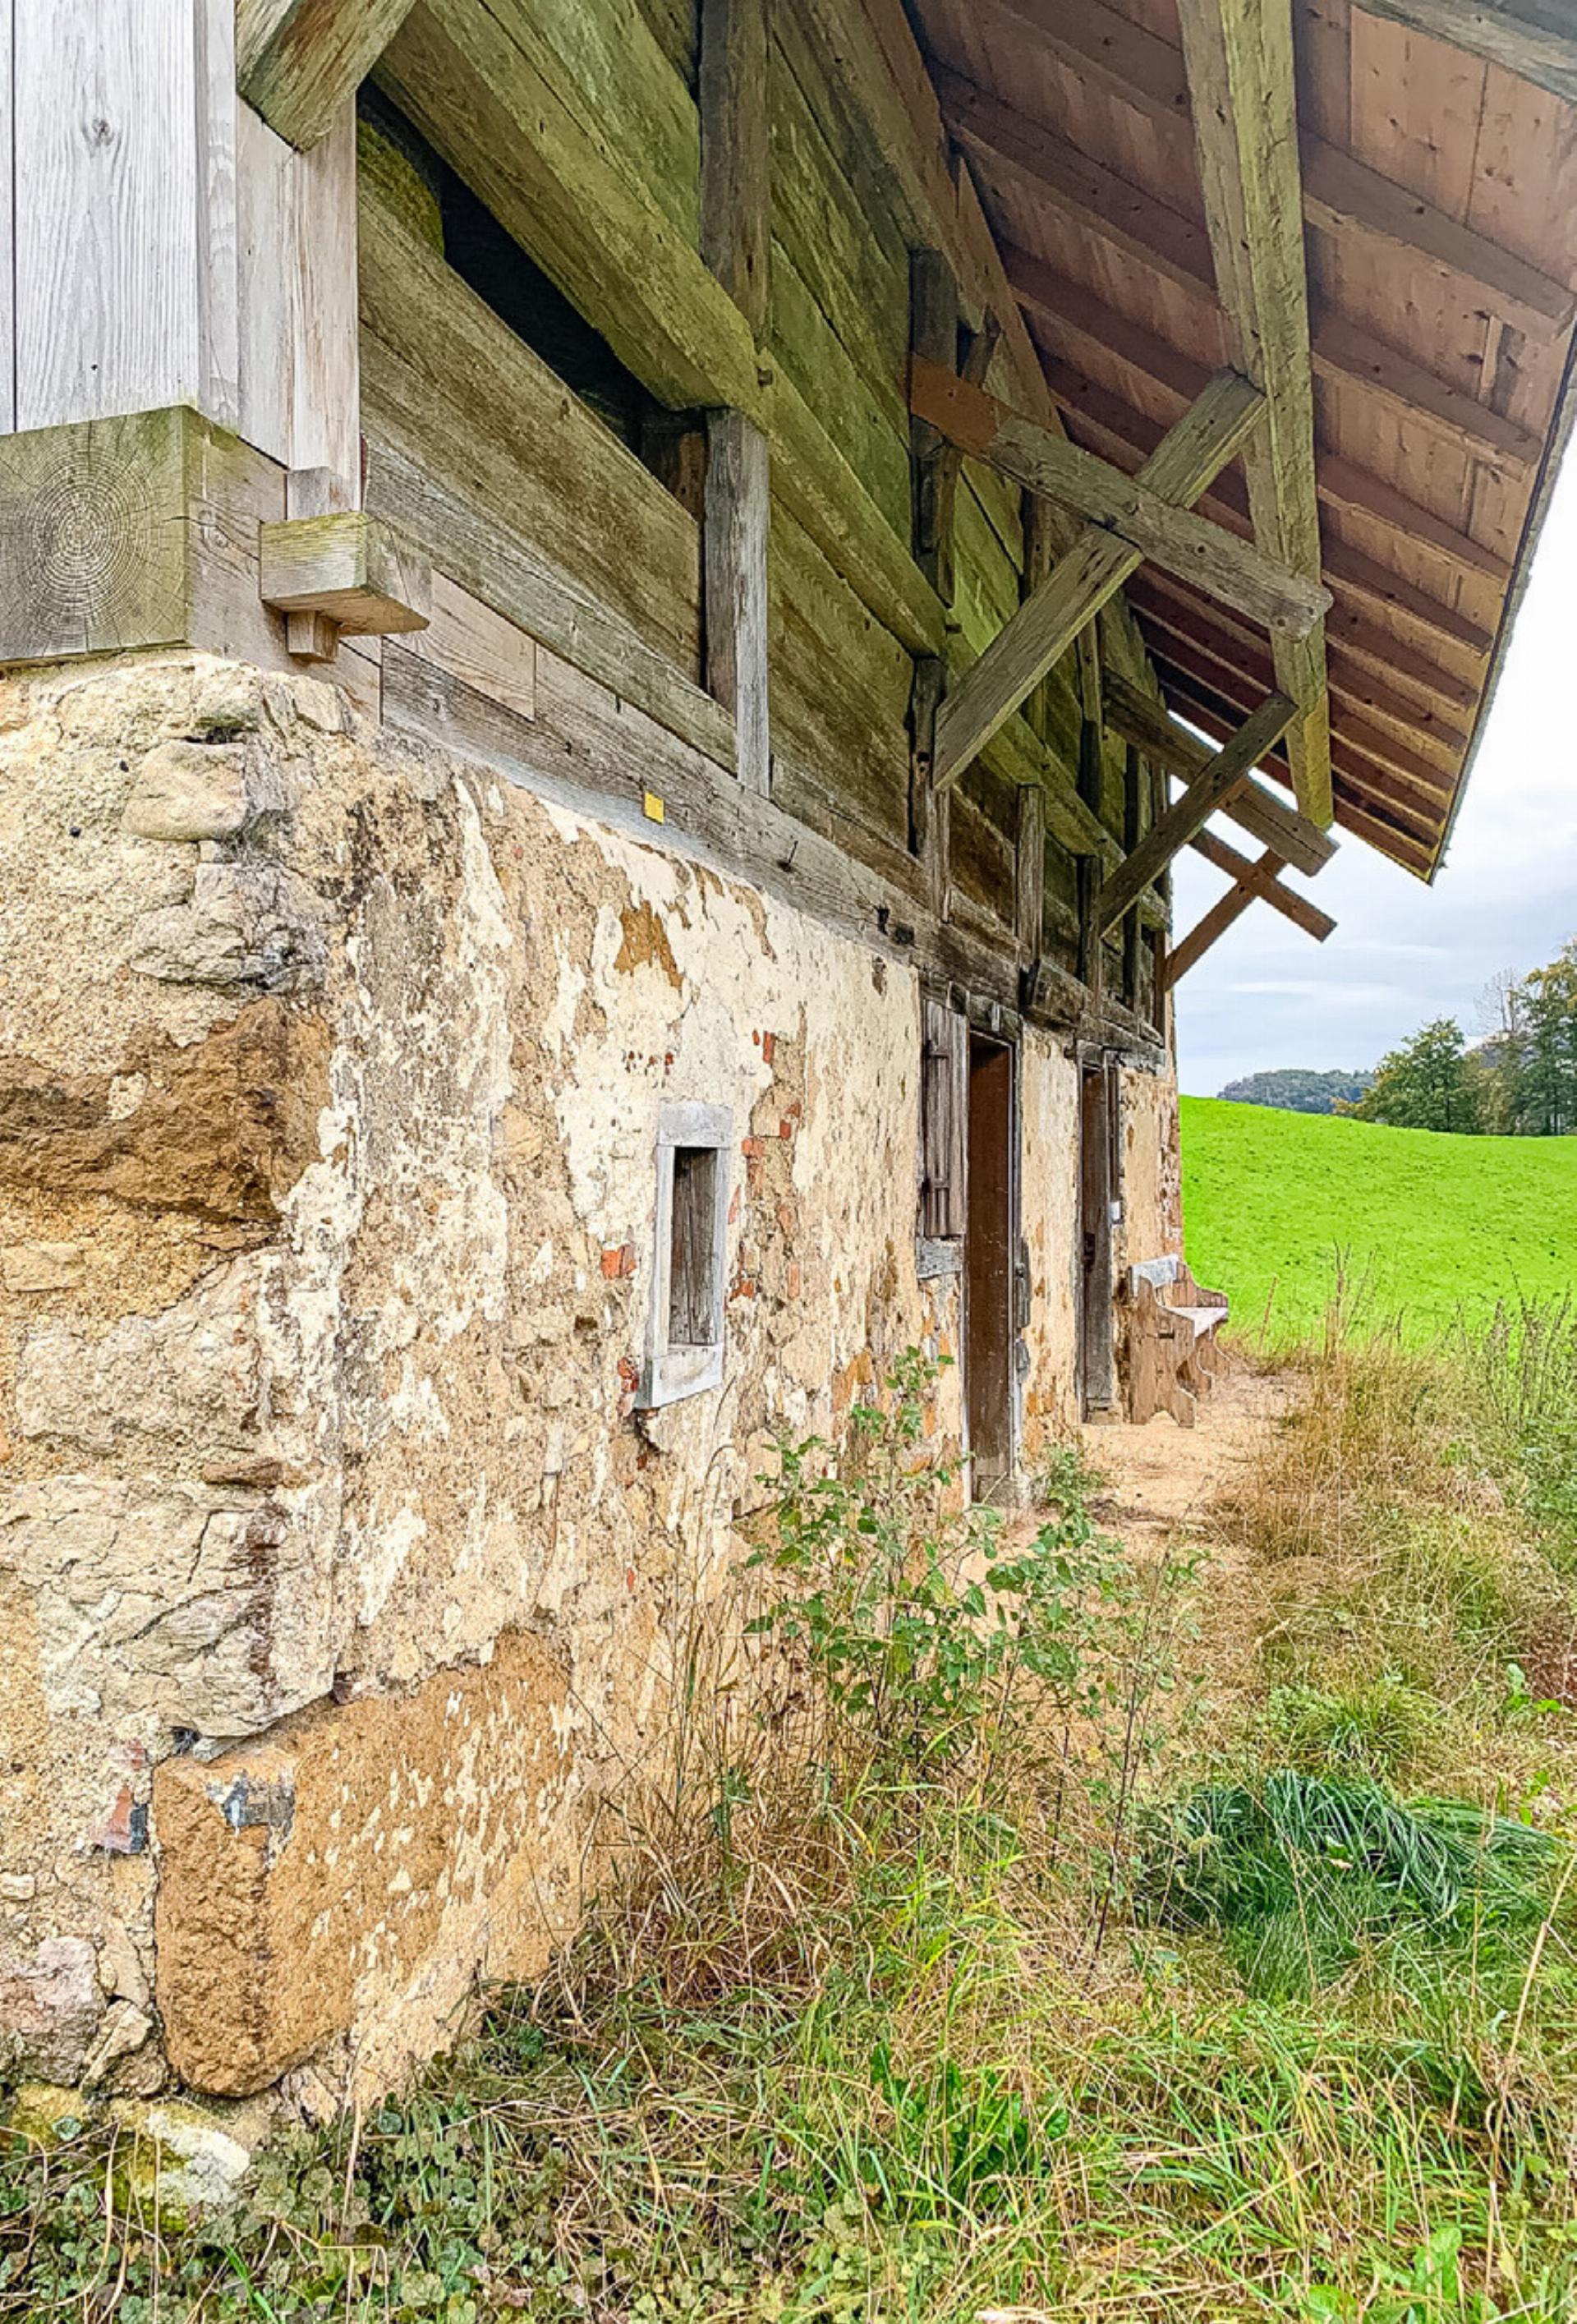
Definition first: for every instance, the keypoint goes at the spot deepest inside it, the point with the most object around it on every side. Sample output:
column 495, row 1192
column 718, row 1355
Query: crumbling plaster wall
column 333, row 1563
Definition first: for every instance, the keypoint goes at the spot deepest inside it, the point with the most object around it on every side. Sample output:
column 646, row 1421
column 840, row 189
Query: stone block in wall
column 245, row 924
column 191, row 1379
column 156, row 1605
column 223, row 1126
column 366, row 1858
column 51, row 2008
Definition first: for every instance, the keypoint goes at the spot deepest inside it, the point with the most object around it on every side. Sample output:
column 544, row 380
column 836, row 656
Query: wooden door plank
column 298, row 61
column 1215, row 428
column 1253, row 740
column 1200, row 552
column 1240, row 76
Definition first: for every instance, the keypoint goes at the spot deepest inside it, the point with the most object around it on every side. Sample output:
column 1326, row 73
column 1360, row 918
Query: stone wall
column 339, row 1576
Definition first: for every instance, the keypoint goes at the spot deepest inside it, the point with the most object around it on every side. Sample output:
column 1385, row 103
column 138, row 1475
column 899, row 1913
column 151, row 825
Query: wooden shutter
column 944, row 1119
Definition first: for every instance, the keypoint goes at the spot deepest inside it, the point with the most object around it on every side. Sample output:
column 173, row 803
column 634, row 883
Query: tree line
column 1519, row 1081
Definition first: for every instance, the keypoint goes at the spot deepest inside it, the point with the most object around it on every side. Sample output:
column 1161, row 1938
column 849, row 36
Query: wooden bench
column 1173, row 1350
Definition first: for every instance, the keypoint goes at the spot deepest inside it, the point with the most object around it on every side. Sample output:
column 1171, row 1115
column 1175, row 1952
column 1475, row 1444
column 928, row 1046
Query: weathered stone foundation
column 338, row 1572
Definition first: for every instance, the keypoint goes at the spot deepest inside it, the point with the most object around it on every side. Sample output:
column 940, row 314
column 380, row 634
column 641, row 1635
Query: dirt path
column 1162, row 1482
column 1162, row 1479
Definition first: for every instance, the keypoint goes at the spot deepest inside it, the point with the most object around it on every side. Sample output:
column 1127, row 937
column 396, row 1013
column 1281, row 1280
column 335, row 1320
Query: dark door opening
column 988, row 1269
column 1097, row 1379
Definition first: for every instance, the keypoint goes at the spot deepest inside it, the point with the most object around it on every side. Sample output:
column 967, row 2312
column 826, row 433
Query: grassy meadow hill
column 1433, row 1228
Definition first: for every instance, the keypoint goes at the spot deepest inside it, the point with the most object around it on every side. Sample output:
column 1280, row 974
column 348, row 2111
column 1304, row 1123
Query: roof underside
column 1440, row 357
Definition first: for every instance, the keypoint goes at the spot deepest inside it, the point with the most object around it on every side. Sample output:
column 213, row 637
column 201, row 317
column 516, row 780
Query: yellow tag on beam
column 656, row 812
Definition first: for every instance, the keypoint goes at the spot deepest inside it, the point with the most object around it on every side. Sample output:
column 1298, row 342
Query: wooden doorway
column 988, row 1266
column 1097, row 1372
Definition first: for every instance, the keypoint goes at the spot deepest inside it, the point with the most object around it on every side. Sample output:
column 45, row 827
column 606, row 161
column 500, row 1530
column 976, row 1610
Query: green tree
column 1425, row 1084
column 1546, row 1103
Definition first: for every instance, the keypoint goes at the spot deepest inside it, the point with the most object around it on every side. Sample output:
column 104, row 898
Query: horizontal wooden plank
column 1353, row 357
column 1535, row 42
column 479, row 647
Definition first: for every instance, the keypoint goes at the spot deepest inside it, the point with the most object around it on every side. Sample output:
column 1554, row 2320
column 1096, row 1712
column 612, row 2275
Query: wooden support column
column 1190, row 456
column 735, row 243
column 1088, row 869
column 1188, row 815
column 734, row 539
column 930, row 810
column 1239, row 57
column 1133, row 790
column 300, row 363
column 1029, row 873
column 123, row 262
column 934, row 477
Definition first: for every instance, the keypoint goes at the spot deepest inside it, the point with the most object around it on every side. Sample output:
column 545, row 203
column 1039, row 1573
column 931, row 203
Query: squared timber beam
column 1219, row 424
column 1239, row 63
column 1224, row 914
column 1213, row 559
column 298, row 61
column 1263, row 880
column 348, row 567
column 1185, row 816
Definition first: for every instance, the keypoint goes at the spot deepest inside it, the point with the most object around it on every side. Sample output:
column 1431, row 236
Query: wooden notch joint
column 349, row 567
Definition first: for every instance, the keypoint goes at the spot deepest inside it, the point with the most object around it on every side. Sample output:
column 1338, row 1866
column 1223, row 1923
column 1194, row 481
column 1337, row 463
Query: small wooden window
column 684, row 1352
column 943, row 1120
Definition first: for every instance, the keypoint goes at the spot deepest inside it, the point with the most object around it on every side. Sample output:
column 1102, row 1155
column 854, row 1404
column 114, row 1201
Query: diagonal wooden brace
column 1185, row 816
column 1095, row 567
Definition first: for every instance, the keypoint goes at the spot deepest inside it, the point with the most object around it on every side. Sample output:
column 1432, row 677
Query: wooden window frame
column 675, row 1370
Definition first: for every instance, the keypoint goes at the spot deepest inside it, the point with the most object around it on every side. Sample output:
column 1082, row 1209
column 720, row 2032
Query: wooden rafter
column 1203, row 553
column 1340, row 194
column 298, row 61
column 1175, row 613
column 1370, row 805
column 1235, row 760
column 1071, row 311
column 1151, row 234
column 1096, row 566
column 1240, row 64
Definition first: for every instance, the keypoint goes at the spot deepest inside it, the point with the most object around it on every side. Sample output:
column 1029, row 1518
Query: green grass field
column 1433, row 1225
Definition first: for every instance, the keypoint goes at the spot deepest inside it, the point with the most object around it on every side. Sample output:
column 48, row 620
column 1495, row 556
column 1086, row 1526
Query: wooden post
column 1029, row 872
column 301, row 364
column 1133, row 790
column 734, row 542
column 933, row 338
column 123, row 262
column 737, row 152
column 735, row 243
column 930, row 810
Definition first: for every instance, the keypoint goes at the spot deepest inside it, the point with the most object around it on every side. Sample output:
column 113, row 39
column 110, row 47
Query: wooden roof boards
column 1438, row 223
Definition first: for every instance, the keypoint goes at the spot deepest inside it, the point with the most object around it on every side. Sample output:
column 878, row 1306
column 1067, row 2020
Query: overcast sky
column 1264, row 995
